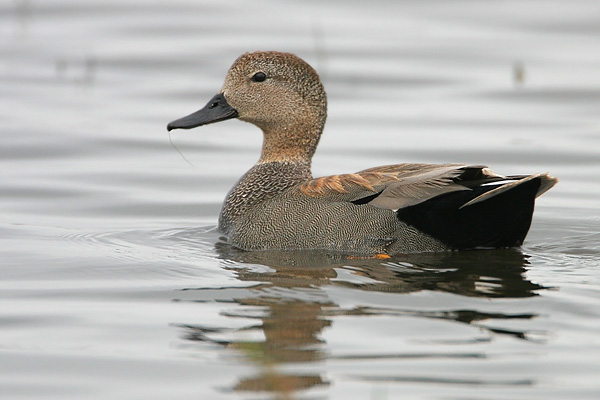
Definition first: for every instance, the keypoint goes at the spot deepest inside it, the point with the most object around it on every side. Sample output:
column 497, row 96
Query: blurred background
column 88, row 87
column 104, row 218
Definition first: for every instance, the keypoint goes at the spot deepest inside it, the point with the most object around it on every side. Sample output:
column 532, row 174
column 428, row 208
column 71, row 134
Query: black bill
column 217, row 109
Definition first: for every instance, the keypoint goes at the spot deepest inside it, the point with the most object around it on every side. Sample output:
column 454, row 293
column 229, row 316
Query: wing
column 398, row 186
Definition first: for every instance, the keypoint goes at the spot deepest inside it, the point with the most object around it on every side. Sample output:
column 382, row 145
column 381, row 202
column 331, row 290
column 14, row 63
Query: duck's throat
column 293, row 144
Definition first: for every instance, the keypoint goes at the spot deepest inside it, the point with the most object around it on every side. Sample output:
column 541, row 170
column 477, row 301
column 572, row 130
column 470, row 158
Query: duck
column 381, row 211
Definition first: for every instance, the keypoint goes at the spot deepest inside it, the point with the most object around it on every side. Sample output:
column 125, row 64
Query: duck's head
column 279, row 93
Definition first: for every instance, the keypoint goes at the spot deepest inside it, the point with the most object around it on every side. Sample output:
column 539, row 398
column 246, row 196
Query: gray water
column 114, row 283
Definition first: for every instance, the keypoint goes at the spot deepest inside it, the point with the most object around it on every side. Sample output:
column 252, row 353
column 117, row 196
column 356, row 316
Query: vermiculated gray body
column 267, row 211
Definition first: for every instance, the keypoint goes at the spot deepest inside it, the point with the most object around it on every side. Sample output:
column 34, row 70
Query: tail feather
column 486, row 216
column 547, row 182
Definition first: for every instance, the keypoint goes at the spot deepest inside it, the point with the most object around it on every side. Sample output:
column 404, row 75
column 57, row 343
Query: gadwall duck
column 403, row 208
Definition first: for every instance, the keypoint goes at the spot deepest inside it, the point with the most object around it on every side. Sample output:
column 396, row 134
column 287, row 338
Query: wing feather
column 403, row 185
column 399, row 185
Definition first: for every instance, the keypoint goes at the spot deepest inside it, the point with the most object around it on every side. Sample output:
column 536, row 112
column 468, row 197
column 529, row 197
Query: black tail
column 502, row 220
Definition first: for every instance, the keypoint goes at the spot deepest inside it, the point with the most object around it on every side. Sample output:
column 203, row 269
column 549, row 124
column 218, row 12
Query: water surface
column 113, row 281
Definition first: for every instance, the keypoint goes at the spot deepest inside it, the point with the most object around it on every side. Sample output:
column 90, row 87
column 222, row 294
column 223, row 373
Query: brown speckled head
column 282, row 95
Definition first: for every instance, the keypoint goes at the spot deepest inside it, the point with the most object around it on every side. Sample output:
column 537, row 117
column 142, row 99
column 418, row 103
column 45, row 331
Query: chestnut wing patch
column 389, row 186
column 346, row 183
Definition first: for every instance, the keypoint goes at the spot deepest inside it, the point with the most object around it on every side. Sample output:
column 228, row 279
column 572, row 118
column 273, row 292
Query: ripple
column 145, row 254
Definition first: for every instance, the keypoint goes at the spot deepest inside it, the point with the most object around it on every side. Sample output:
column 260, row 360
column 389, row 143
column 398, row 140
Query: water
column 114, row 283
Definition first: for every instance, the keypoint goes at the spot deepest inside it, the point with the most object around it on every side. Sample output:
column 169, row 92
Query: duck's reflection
column 487, row 273
column 292, row 308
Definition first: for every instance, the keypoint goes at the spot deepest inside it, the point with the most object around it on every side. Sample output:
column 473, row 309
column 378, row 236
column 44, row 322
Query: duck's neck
column 294, row 143
column 262, row 182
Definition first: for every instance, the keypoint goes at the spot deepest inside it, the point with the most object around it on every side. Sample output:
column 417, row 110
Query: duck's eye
column 259, row 77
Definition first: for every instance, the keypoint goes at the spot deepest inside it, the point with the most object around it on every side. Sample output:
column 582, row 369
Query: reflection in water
column 291, row 332
column 293, row 309
column 486, row 273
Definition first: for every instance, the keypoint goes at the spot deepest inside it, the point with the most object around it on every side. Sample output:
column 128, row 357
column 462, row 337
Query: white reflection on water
column 112, row 276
